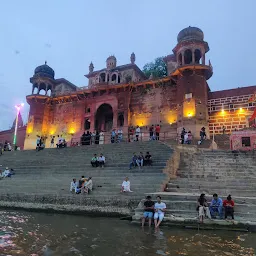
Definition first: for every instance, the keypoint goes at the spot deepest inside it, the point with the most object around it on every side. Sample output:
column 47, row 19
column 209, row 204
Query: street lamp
column 18, row 108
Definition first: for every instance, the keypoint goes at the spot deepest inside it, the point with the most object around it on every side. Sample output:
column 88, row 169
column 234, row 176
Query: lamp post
column 18, row 108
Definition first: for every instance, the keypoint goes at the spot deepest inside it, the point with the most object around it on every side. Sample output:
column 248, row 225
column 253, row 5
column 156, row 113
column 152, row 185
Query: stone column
column 114, row 118
column 193, row 57
column 183, row 58
column 38, row 89
column 116, row 78
column 203, row 59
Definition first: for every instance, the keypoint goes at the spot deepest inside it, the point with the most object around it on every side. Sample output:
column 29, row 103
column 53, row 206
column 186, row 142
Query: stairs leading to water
column 221, row 172
column 45, row 176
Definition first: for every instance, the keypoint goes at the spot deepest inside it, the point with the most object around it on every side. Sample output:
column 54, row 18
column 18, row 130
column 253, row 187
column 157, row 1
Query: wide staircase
column 221, row 172
column 44, row 177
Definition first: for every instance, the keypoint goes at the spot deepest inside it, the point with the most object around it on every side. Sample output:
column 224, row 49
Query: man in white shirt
column 73, row 185
column 88, row 185
column 101, row 160
column 137, row 132
column 160, row 209
column 126, row 186
column 7, row 172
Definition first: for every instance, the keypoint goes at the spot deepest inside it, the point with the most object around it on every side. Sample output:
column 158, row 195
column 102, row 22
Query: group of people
column 84, row 185
column 140, row 160
column 7, row 173
column 98, row 161
column 185, row 137
column 154, row 132
column 216, row 207
column 90, row 138
column 116, row 135
column 153, row 210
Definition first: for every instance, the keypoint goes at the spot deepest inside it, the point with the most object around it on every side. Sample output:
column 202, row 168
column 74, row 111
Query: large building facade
column 122, row 96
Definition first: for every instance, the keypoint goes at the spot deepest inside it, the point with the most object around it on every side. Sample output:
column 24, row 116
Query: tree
column 158, row 68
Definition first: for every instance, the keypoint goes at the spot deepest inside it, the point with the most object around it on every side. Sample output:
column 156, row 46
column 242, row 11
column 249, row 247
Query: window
column 188, row 96
column 246, row 141
column 231, row 105
column 250, row 104
column 88, row 110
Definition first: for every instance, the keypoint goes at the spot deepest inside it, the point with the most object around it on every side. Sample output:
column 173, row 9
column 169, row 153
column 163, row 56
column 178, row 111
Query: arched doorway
column 104, row 118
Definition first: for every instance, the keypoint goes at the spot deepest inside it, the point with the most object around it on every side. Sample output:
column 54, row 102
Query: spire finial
column 45, row 62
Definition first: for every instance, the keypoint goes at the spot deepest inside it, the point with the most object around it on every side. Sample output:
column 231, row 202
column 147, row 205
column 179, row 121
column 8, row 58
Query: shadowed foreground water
column 28, row 234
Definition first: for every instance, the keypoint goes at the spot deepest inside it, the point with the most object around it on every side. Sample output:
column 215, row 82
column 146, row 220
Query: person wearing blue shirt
column 134, row 161
column 216, row 206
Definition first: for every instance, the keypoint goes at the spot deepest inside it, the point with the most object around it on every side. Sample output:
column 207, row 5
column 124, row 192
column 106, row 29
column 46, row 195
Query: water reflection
column 36, row 234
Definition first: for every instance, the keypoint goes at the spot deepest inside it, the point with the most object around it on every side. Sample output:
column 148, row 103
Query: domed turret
column 44, row 71
column 111, row 61
column 190, row 33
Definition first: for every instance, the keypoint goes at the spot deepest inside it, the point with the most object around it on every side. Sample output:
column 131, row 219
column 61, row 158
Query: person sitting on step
column 216, row 206
column 80, row 185
column 126, row 185
column 73, row 185
column 160, row 209
column 148, row 159
column 202, row 208
column 140, row 160
column 101, row 160
column 148, row 211
column 88, row 185
column 228, row 205
column 134, row 161
column 95, row 162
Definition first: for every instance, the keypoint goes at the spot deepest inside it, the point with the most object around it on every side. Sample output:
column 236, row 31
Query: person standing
column 101, row 137
column 52, row 142
column 148, row 211
column 160, row 209
column 113, row 136
column 158, row 128
column 182, row 135
column 138, row 133
column 151, row 132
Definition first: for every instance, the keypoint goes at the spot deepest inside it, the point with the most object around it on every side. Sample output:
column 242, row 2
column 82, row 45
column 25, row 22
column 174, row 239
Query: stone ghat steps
column 108, row 166
column 194, row 214
column 233, row 192
column 184, row 205
column 127, row 147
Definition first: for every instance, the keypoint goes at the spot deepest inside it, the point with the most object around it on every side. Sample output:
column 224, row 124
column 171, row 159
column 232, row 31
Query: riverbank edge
column 87, row 210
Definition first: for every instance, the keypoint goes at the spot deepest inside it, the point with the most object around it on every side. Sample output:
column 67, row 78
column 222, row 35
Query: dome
column 190, row 33
column 44, row 71
column 112, row 57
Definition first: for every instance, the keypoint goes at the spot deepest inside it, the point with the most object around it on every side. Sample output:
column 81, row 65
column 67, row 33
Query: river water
column 34, row 234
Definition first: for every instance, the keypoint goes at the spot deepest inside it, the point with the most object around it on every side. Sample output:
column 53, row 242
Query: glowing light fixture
column 189, row 114
column 18, row 108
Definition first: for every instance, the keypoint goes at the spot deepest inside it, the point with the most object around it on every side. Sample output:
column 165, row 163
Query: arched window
column 180, row 59
column 103, row 77
column 198, row 56
column 35, row 89
column 113, row 78
column 188, row 56
column 120, row 120
column 87, row 124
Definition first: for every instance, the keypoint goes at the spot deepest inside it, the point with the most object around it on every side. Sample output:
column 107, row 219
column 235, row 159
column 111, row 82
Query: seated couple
column 98, row 161
column 140, row 160
column 153, row 209
column 6, row 173
column 215, row 208
column 84, row 185
column 61, row 143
